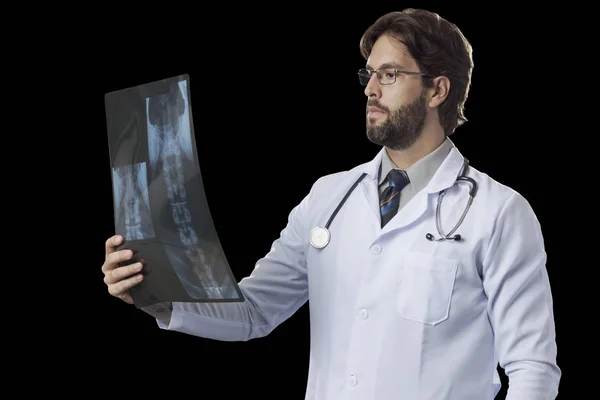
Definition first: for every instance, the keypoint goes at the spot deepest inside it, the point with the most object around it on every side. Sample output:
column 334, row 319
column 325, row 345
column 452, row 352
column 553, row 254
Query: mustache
column 375, row 103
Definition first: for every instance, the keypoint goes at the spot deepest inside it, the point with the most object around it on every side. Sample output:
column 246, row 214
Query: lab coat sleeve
column 276, row 288
column 520, row 305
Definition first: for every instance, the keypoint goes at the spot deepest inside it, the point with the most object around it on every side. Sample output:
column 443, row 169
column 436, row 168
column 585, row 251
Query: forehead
column 388, row 51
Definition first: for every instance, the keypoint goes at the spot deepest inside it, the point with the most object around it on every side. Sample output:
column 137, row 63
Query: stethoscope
column 320, row 237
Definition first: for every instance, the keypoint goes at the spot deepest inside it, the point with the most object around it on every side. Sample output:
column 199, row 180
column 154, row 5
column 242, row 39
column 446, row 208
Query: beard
column 401, row 127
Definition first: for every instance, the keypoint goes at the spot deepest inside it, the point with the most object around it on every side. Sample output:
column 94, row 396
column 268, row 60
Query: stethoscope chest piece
column 319, row 237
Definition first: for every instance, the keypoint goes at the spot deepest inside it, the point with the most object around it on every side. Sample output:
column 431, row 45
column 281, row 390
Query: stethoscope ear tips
column 456, row 238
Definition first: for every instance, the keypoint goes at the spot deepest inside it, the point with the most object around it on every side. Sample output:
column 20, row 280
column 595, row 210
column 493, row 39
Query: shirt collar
column 421, row 172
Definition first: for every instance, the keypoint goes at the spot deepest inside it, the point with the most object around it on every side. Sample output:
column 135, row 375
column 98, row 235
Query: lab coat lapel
column 444, row 178
column 369, row 185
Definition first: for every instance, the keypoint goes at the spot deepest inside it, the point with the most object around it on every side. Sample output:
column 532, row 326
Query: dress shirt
column 419, row 174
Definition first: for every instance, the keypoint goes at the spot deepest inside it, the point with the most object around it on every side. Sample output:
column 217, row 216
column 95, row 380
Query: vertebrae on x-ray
column 132, row 194
column 171, row 144
column 133, row 220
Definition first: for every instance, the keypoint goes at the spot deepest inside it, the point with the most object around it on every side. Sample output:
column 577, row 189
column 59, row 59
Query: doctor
column 394, row 309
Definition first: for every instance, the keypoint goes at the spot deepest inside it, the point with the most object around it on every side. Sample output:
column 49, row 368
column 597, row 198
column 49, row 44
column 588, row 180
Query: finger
column 113, row 259
column 126, row 297
column 119, row 274
column 120, row 288
column 111, row 243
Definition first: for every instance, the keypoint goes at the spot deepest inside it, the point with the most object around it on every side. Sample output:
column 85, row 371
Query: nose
column 373, row 88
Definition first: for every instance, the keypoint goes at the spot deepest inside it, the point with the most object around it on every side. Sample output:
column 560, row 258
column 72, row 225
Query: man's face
column 395, row 113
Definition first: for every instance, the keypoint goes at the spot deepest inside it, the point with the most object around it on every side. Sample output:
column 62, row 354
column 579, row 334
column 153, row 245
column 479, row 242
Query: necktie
column 390, row 198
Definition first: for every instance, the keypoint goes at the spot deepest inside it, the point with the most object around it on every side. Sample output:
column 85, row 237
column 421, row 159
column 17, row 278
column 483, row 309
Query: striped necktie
column 390, row 198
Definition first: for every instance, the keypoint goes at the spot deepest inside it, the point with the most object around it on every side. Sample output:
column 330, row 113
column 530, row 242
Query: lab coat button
column 363, row 313
column 352, row 381
column 376, row 249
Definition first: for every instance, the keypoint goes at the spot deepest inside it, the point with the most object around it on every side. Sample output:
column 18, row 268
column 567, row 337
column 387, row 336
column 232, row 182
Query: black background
column 273, row 93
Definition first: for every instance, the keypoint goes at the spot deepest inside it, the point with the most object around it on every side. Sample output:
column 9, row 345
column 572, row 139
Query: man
column 391, row 311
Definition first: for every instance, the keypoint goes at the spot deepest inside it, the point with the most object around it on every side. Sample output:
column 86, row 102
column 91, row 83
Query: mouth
column 374, row 112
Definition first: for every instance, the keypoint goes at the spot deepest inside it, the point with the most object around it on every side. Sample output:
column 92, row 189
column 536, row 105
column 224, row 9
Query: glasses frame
column 362, row 72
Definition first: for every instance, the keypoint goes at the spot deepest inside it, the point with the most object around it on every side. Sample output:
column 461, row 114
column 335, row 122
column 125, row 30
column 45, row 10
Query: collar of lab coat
column 444, row 177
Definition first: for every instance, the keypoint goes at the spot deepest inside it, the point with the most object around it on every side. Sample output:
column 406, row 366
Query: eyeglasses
column 385, row 76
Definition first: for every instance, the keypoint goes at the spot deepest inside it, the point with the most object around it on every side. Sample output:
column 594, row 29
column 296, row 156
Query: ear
column 439, row 91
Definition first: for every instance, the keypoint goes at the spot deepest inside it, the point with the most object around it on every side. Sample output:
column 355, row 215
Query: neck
column 429, row 140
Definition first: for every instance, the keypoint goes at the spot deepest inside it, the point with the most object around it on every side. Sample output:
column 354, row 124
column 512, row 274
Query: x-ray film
column 160, row 206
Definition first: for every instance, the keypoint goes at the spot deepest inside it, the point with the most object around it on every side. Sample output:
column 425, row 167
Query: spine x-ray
column 160, row 206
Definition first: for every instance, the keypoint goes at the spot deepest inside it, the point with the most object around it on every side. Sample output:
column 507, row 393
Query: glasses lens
column 387, row 76
column 364, row 76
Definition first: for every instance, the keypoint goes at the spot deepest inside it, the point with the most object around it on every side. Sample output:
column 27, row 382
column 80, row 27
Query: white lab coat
column 394, row 315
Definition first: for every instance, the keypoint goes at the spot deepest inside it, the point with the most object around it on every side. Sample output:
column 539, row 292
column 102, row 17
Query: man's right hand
column 120, row 279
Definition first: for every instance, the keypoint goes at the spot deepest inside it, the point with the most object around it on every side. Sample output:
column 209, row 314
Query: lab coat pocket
column 426, row 287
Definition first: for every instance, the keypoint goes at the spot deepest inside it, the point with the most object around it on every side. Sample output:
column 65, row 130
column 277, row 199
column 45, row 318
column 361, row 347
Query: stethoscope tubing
column 320, row 236
column 337, row 209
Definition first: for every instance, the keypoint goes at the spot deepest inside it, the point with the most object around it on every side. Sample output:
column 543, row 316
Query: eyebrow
column 387, row 65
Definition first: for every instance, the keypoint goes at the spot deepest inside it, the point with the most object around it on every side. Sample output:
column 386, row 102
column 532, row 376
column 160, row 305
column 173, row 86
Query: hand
column 120, row 279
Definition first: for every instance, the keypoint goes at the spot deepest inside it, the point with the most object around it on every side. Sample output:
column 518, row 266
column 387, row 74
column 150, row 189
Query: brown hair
column 438, row 47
